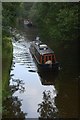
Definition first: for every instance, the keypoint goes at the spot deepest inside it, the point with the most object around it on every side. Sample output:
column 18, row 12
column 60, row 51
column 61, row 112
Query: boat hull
column 48, row 67
column 45, row 67
column 29, row 24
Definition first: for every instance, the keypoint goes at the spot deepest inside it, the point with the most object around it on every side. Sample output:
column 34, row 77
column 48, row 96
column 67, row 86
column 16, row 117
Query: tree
column 10, row 11
column 57, row 22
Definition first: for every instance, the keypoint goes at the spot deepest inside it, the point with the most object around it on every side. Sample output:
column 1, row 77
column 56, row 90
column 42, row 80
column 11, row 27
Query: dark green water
column 34, row 95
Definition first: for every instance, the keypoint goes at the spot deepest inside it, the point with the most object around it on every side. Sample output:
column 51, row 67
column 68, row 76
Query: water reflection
column 47, row 108
column 30, row 33
column 48, row 78
column 12, row 108
column 17, row 85
column 67, row 100
column 21, row 54
column 12, row 104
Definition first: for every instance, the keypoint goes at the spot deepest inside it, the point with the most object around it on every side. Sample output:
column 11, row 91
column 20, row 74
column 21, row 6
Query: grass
column 6, row 65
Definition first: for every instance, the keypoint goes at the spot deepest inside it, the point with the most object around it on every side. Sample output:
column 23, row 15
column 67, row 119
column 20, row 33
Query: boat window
column 43, row 47
column 42, row 59
column 49, row 57
column 46, row 58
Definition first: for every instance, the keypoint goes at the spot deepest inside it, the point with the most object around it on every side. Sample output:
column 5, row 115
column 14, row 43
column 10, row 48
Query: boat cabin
column 42, row 53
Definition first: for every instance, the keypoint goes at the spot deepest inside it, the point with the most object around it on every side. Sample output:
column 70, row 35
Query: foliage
column 6, row 64
column 11, row 106
column 57, row 22
column 12, row 109
column 26, row 8
column 10, row 12
column 8, row 47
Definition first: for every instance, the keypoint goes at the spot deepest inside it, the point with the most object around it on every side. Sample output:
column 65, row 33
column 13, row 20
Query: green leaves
column 57, row 21
column 10, row 13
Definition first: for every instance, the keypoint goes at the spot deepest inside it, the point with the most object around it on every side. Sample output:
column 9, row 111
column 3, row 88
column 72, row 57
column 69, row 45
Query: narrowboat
column 44, row 56
column 28, row 23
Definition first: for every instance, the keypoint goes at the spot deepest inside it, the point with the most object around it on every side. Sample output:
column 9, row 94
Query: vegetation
column 11, row 13
column 57, row 22
column 6, row 60
column 58, row 26
column 9, row 20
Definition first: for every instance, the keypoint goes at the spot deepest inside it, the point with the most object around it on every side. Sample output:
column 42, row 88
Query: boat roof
column 42, row 48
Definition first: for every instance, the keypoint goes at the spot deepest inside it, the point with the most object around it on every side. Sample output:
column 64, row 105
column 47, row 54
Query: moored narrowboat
column 28, row 23
column 43, row 55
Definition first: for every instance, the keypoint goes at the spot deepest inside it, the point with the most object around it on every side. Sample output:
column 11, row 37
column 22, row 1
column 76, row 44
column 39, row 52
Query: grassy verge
column 6, row 65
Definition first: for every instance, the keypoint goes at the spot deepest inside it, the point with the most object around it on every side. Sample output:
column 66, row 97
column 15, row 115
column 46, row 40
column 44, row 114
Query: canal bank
column 7, row 56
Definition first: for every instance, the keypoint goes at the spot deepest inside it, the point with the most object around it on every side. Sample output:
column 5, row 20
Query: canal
column 34, row 95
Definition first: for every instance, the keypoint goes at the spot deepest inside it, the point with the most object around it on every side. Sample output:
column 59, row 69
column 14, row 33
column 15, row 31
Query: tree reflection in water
column 17, row 86
column 11, row 105
column 47, row 108
column 12, row 108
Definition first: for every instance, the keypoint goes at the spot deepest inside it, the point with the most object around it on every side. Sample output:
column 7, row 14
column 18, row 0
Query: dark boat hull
column 48, row 67
column 45, row 67
column 29, row 24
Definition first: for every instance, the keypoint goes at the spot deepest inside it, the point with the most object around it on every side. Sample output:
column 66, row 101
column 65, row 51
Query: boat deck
column 44, row 50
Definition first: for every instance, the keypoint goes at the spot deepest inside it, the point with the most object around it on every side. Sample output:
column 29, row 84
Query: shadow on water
column 68, row 93
column 48, row 78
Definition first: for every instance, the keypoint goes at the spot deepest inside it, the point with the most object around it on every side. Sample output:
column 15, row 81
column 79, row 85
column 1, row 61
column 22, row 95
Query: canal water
column 37, row 95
